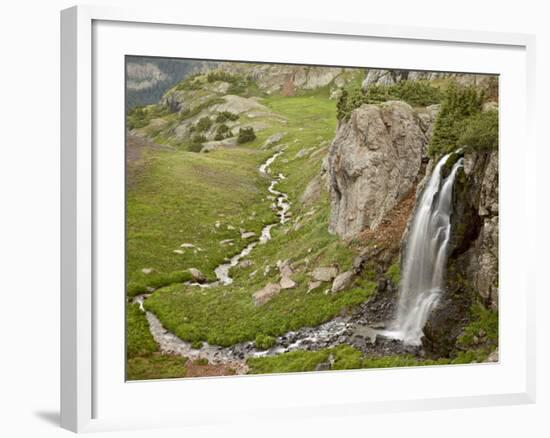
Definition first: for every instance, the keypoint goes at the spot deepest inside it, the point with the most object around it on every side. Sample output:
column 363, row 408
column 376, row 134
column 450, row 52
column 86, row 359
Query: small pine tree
column 246, row 135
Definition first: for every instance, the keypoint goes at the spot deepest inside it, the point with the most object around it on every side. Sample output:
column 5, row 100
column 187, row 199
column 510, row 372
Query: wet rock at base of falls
column 324, row 274
column 342, row 281
column 264, row 295
column 287, row 283
column 197, row 275
column 147, row 271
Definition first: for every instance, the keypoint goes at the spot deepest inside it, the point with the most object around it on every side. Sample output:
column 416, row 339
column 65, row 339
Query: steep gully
column 422, row 284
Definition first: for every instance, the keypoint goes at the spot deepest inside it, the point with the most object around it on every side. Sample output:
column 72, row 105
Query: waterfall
column 426, row 255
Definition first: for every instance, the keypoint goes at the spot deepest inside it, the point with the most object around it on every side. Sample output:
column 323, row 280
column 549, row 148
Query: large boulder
column 373, row 163
column 324, row 273
column 265, row 294
column 342, row 281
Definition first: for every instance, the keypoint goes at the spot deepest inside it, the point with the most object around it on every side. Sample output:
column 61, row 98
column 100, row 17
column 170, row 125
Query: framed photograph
column 261, row 208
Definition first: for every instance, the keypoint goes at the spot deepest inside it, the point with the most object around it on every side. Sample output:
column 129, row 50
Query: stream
column 340, row 330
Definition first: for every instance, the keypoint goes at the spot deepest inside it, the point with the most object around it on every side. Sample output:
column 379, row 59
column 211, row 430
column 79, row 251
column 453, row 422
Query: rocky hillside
column 148, row 78
column 289, row 79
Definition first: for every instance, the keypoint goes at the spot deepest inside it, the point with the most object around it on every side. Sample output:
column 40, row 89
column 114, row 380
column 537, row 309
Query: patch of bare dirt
column 288, row 86
column 389, row 233
column 196, row 369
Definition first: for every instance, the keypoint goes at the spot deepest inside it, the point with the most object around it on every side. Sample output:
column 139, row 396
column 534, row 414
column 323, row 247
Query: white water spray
column 426, row 256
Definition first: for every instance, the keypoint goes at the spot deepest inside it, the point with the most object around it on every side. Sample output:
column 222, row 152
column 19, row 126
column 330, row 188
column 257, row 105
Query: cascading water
column 425, row 256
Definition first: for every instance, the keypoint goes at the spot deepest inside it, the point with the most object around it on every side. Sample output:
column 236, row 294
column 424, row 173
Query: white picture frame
column 89, row 398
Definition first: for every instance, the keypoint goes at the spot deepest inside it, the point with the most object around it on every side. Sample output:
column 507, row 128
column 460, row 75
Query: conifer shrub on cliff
column 246, row 135
column 480, row 132
column 461, row 106
column 415, row 93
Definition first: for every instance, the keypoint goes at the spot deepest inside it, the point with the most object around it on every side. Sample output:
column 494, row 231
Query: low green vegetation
column 263, row 342
column 481, row 334
column 394, row 273
column 345, row 357
column 180, row 200
column 226, row 315
column 139, row 341
column 155, row 366
column 141, row 116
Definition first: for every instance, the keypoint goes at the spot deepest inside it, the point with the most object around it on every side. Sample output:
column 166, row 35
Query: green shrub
column 202, row 361
column 204, row 124
column 220, row 75
column 226, row 116
column 264, row 342
column 140, row 116
column 459, row 104
column 196, row 143
column 483, row 325
column 222, row 132
column 394, row 273
column 246, row 135
column 480, row 132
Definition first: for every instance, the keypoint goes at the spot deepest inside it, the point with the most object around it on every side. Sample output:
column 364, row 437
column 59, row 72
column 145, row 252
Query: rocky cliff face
column 374, row 162
column 390, row 77
column 472, row 271
column 273, row 78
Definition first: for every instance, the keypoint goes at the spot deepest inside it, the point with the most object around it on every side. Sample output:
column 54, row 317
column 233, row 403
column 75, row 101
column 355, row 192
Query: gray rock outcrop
column 373, row 162
column 265, row 294
column 376, row 76
column 342, row 281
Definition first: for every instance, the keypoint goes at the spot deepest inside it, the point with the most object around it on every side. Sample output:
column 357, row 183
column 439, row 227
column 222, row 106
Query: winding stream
column 340, row 330
column 234, row 356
